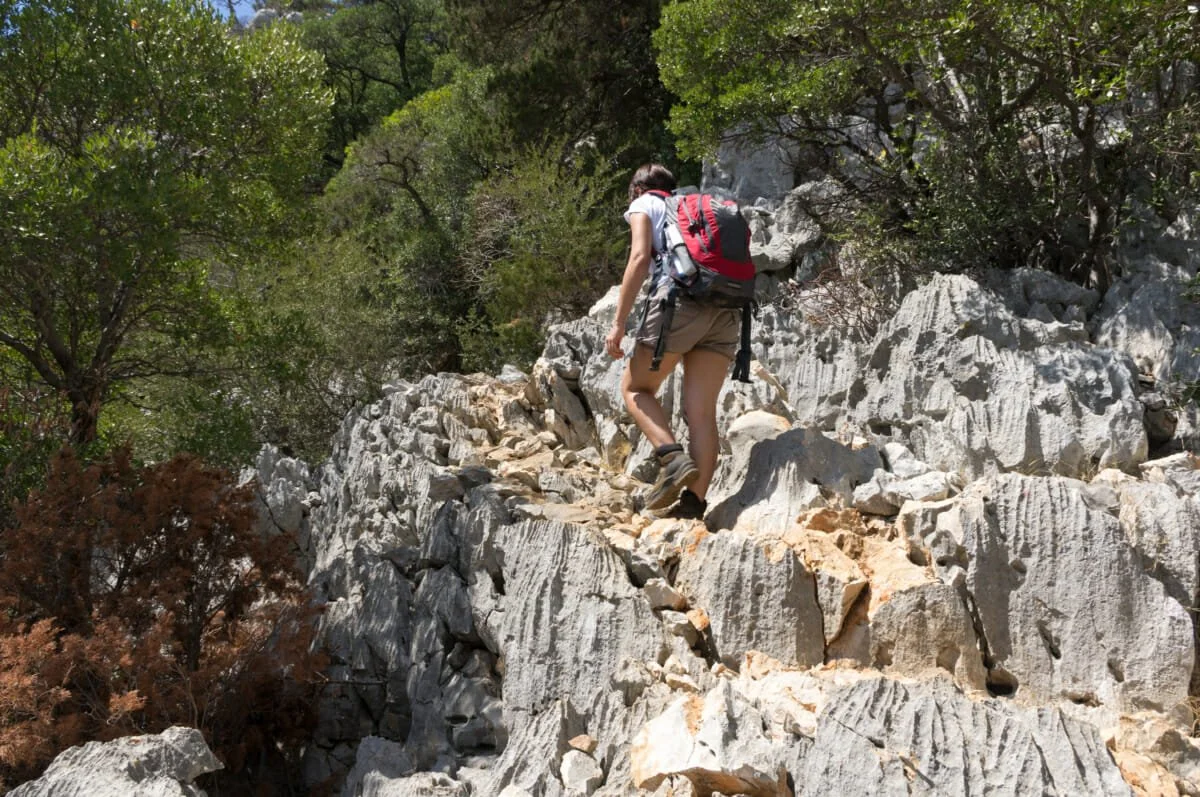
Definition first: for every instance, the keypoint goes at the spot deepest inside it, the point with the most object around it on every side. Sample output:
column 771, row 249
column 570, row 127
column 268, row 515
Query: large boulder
column 717, row 742
column 161, row 765
column 1066, row 607
column 785, row 475
column 758, row 595
column 974, row 388
column 1146, row 316
column 752, row 172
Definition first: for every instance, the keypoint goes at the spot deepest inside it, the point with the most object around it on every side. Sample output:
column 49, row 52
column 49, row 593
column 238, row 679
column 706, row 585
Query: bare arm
column 641, row 252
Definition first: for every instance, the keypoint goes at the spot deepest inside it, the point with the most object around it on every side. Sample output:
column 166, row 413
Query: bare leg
column 703, row 375
column 639, row 386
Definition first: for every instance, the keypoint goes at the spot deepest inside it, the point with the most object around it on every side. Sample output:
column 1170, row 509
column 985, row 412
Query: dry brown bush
column 136, row 598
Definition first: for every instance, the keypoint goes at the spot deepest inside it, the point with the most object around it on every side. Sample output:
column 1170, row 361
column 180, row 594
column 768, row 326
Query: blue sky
column 245, row 8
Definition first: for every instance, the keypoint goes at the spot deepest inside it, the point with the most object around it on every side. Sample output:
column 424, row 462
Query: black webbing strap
column 668, row 315
column 741, row 364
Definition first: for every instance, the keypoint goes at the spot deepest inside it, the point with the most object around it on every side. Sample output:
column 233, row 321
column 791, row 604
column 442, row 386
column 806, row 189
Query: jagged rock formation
column 162, row 765
column 958, row 556
column 938, row 561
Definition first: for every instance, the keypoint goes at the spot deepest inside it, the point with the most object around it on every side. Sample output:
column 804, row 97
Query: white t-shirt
column 654, row 207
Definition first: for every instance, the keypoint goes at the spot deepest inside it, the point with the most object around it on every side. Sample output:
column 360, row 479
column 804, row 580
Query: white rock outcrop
column 160, row 765
column 938, row 560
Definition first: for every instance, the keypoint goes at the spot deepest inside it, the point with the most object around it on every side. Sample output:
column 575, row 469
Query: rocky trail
column 854, row 619
column 959, row 556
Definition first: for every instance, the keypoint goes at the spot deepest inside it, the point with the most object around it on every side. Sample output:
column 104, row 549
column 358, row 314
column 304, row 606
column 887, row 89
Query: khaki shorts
column 694, row 326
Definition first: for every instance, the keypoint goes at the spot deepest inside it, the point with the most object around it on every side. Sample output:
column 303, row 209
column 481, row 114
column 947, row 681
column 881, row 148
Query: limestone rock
column 1031, row 293
column 1164, row 527
column 583, row 743
column 979, row 387
column 1057, row 624
column 580, row 773
column 779, row 240
column 758, row 595
column 886, row 492
column 716, row 742
column 743, row 434
column 421, row 784
column 663, row 596
column 570, row 615
column 816, row 364
column 514, row 791
column 1181, row 470
column 902, row 463
column 750, row 172
column 161, row 765
column 881, row 736
column 911, row 624
column 1146, row 316
column 789, row 474
column 377, row 761
column 840, row 580
column 565, row 414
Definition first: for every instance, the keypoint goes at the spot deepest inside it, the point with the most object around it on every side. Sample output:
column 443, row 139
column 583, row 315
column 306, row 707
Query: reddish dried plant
column 136, row 598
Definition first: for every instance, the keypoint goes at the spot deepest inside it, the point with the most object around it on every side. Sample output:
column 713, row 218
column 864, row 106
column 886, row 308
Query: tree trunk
column 85, row 413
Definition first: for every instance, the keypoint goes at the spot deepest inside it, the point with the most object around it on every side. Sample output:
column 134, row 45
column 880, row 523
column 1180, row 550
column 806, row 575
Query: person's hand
column 612, row 341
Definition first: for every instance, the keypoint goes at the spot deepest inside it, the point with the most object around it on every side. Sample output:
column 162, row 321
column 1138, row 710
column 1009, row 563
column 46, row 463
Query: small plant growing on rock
column 136, row 598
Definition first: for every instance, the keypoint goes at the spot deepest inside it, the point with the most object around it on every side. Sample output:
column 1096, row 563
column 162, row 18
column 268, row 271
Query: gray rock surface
column 797, row 470
column 750, row 172
column 886, row 737
column 974, row 387
column 1065, row 604
column 161, row 765
column 1145, row 316
column 716, row 742
column 758, row 595
column 779, row 240
column 895, row 513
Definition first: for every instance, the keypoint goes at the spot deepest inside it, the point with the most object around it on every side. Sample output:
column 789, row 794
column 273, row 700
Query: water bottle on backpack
column 683, row 269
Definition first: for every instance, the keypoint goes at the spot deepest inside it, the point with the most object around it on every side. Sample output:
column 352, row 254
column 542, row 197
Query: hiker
column 704, row 337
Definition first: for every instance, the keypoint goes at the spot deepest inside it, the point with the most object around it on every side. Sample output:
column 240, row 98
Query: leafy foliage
column 137, row 598
column 993, row 133
column 32, row 426
column 543, row 240
column 473, row 244
column 378, row 56
column 398, row 208
column 140, row 144
column 579, row 71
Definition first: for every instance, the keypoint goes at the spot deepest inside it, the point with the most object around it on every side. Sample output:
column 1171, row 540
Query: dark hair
column 651, row 177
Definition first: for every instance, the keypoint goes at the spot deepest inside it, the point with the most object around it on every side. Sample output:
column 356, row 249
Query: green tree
column 378, row 56
column 396, row 213
column 573, row 70
column 994, row 132
column 146, row 153
column 543, row 240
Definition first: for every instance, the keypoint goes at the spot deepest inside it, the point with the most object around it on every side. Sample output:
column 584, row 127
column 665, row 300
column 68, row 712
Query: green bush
column 989, row 133
column 543, row 241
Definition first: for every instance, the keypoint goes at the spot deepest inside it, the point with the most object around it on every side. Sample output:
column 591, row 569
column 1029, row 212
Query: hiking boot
column 690, row 507
column 676, row 471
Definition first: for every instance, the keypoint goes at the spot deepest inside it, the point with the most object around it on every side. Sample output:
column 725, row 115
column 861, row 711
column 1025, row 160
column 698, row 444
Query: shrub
column 136, row 598
column 543, row 241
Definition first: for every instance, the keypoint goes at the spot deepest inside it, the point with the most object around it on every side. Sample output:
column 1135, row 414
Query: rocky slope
column 960, row 556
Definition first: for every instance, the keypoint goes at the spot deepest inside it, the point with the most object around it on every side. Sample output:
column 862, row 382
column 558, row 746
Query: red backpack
column 708, row 258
